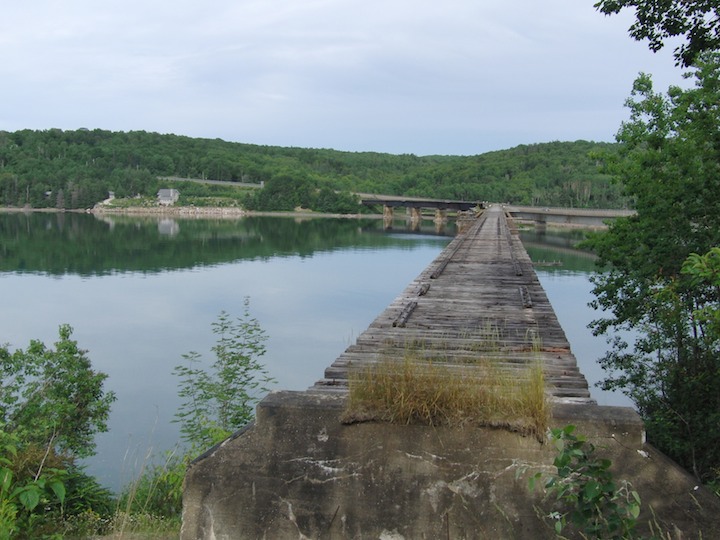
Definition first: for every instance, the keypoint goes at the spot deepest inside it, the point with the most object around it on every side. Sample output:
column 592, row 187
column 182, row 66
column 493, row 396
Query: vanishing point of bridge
column 482, row 287
column 539, row 216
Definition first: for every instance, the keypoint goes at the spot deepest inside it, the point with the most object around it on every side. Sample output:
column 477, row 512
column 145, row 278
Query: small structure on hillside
column 168, row 197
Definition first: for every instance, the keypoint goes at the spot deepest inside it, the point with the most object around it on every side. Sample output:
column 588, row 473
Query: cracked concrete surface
column 373, row 480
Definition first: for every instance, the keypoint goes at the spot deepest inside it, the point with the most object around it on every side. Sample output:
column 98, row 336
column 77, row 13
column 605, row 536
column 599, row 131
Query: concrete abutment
column 298, row 472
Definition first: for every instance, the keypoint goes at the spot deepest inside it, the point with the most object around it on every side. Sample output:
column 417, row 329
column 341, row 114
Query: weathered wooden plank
column 479, row 299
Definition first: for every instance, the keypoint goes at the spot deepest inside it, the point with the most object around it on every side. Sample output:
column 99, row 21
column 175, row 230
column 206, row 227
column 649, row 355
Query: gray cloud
column 458, row 77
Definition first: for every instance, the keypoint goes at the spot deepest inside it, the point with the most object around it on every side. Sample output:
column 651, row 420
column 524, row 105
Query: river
column 141, row 292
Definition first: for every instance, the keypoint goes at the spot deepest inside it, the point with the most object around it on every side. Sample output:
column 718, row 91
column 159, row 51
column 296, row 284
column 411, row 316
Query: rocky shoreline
column 181, row 211
column 230, row 212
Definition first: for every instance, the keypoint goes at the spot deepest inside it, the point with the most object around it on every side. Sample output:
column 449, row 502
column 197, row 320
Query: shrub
column 587, row 498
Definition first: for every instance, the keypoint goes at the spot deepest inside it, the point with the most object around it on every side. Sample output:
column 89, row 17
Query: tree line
column 77, row 169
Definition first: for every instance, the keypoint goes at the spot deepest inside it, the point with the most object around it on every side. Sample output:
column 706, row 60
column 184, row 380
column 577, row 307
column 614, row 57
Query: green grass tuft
column 423, row 391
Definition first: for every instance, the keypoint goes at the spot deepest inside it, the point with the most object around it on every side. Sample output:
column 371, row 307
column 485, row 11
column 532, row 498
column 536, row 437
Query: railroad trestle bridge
column 482, row 283
column 299, row 472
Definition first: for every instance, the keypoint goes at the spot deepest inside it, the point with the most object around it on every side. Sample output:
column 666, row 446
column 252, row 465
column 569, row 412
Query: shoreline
column 234, row 212
column 231, row 212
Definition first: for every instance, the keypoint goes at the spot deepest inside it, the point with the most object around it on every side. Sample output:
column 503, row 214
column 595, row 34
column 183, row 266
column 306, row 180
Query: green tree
column 52, row 404
column 704, row 271
column 331, row 201
column 669, row 164
column 216, row 402
column 85, row 165
column 221, row 400
column 52, row 397
column 284, row 192
column 698, row 21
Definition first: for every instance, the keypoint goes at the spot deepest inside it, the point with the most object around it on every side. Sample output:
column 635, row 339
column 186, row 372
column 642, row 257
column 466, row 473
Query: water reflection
column 140, row 298
column 564, row 272
column 556, row 250
column 71, row 243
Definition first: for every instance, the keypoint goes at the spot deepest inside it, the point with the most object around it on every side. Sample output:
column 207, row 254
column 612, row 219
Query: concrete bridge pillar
column 440, row 215
column 415, row 218
column 388, row 214
column 541, row 223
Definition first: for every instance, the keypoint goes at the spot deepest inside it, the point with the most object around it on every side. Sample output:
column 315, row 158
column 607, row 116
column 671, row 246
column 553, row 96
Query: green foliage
column 288, row 192
column 24, row 497
column 669, row 164
column 284, row 192
column 216, row 402
column 657, row 21
column 158, row 490
column 51, row 405
column 76, row 169
column 704, row 273
column 219, row 401
column 586, row 497
column 53, row 398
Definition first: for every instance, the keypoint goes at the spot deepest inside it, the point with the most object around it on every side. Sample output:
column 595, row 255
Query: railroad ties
column 479, row 298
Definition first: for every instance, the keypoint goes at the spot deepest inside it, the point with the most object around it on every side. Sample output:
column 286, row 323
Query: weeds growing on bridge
column 588, row 500
column 418, row 390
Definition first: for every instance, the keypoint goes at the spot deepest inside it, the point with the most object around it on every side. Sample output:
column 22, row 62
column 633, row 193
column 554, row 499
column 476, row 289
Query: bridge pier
column 414, row 218
column 541, row 224
column 414, row 209
column 388, row 216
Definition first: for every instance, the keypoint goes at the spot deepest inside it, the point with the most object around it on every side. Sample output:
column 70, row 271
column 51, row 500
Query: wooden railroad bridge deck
column 480, row 296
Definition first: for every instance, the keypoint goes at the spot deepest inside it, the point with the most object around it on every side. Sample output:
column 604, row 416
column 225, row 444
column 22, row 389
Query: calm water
column 140, row 293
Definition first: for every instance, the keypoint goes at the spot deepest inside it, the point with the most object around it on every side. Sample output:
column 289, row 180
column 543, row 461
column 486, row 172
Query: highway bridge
column 415, row 205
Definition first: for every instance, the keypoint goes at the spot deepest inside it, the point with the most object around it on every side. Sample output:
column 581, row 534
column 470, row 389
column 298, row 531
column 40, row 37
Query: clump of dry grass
column 414, row 391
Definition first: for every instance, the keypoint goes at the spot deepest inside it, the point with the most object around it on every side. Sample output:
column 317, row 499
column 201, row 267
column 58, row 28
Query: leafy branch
column 221, row 400
column 583, row 490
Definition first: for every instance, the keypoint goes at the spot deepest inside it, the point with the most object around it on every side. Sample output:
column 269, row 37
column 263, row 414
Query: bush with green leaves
column 52, row 397
column 52, row 403
column 216, row 401
column 221, row 399
column 585, row 495
column 21, row 495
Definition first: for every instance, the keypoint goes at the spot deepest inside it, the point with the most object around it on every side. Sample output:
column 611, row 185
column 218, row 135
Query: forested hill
column 77, row 169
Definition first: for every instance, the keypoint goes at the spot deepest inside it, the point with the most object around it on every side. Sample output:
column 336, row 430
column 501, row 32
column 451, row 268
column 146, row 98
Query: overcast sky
column 398, row 76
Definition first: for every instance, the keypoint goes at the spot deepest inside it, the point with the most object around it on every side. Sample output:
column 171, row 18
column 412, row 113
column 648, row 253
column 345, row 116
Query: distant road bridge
column 415, row 205
column 541, row 216
column 577, row 217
